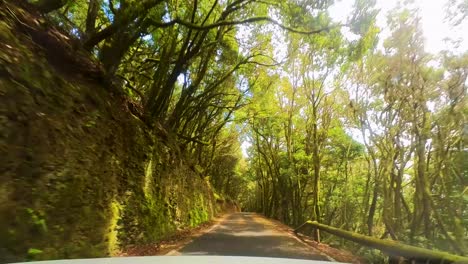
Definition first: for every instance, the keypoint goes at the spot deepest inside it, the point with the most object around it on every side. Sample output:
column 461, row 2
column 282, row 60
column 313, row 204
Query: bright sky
column 434, row 24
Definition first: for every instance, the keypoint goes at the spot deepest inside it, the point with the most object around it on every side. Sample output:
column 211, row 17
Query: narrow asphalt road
column 249, row 234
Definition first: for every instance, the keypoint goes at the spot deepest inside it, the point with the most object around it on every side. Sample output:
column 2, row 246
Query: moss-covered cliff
column 80, row 175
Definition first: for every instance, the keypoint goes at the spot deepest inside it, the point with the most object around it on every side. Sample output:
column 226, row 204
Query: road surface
column 248, row 234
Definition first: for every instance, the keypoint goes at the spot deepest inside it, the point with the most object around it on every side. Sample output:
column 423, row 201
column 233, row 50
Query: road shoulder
column 331, row 253
column 172, row 244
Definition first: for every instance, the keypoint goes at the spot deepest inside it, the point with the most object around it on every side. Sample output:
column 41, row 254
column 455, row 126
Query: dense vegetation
column 355, row 134
column 406, row 177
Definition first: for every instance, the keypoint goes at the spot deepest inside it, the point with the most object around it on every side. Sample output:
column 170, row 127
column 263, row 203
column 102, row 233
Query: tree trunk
column 93, row 10
column 373, row 206
column 316, row 190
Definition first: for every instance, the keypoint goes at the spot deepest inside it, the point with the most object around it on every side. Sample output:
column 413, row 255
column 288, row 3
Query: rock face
column 80, row 174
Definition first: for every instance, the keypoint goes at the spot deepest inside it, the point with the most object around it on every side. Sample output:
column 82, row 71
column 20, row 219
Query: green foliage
column 37, row 220
column 368, row 140
column 306, row 161
column 33, row 253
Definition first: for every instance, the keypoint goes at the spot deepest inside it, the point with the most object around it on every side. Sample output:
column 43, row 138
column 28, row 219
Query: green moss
column 34, row 253
column 199, row 212
column 6, row 33
column 113, row 232
column 148, row 177
column 37, row 220
column 218, row 197
column 89, row 182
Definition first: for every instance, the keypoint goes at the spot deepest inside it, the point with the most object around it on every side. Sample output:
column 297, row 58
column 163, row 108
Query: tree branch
column 240, row 22
column 111, row 6
column 131, row 87
column 193, row 139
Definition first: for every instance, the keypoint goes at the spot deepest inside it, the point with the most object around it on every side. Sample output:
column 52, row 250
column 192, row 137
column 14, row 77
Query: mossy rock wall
column 80, row 175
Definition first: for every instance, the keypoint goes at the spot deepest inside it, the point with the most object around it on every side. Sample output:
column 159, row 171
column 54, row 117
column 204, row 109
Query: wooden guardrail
column 390, row 247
